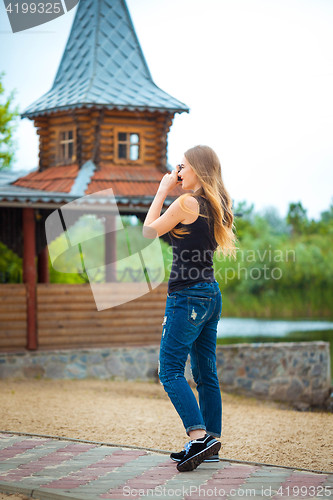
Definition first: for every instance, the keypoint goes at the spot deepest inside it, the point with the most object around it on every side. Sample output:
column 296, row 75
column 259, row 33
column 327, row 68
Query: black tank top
column 193, row 253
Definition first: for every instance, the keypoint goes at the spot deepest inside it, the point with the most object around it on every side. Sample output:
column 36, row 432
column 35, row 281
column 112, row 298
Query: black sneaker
column 196, row 451
column 213, row 458
column 176, row 457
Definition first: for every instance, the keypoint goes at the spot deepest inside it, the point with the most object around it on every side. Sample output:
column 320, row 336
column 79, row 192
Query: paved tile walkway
column 47, row 468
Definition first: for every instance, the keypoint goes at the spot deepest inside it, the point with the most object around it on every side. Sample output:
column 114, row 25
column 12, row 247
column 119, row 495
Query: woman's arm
column 156, row 224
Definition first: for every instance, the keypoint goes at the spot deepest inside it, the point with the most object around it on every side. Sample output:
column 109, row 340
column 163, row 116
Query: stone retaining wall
column 289, row 371
column 295, row 372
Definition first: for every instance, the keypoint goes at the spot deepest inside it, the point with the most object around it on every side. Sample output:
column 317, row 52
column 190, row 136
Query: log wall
column 67, row 318
column 96, row 136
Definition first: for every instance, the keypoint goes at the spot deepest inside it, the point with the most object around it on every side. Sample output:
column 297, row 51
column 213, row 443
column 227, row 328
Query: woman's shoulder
column 187, row 201
column 191, row 202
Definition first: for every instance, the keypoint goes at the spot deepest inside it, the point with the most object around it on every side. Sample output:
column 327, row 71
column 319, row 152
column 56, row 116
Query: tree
column 277, row 224
column 297, row 218
column 327, row 215
column 8, row 118
column 244, row 216
column 325, row 224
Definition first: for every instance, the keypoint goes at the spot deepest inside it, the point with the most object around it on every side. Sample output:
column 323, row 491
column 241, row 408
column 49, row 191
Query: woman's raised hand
column 168, row 182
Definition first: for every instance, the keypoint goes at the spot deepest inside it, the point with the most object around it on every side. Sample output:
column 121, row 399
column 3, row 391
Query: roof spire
column 103, row 66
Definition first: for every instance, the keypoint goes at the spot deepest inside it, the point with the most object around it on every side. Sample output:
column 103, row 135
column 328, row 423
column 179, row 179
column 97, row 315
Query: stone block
column 261, row 388
column 34, row 371
column 316, row 370
column 244, row 383
column 278, row 392
column 8, row 371
column 76, row 371
column 317, row 383
column 114, row 367
column 132, row 372
column 227, row 379
column 320, row 397
column 253, row 373
column 295, row 390
column 55, row 370
column 97, row 371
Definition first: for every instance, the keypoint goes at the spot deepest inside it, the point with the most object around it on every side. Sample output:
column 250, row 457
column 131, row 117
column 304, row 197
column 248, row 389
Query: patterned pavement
column 49, row 468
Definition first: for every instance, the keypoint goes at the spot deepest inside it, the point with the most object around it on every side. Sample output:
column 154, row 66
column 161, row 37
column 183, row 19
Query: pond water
column 244, row 327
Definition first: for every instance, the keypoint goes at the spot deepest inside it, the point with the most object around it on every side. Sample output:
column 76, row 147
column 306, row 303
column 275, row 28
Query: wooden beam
column 110, row 248
column 43, row 266
column 29, row 274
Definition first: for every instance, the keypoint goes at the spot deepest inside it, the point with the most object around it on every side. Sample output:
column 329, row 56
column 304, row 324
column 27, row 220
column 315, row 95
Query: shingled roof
column 59, row 185
column 103, row 66
column 125, row 180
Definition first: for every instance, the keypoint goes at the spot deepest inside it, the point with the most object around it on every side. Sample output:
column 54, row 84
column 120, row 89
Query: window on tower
column 66, row 145
column 128, row 146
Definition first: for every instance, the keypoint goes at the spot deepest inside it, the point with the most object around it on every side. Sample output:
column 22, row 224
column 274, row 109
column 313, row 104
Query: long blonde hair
column 206, row 165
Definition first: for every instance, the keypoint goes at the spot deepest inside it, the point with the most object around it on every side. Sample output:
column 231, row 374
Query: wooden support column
column 110, row 248
column 43, row 266
column 29, row 274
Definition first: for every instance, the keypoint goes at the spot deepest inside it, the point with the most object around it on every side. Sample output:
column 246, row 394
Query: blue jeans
column 190, row 327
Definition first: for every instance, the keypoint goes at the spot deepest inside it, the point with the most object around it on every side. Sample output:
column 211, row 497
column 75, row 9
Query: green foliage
column 71, row 265
column 297, row 218
column 128, row 242
column 243, row 219
column 325, row 225
column 8, row 119
column 301, row 225
column 277, row 224
column 10, row 266
column 278, row 274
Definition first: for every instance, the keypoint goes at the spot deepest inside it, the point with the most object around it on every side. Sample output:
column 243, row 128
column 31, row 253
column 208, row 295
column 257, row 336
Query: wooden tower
column 104, row 114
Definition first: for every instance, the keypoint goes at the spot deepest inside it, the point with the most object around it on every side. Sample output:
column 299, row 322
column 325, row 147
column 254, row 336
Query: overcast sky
column 256, row 74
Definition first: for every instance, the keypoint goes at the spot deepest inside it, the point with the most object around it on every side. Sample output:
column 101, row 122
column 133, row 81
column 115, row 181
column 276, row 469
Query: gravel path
column 140, row 414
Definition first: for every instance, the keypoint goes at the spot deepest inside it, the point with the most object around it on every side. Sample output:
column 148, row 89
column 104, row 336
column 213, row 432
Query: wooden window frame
column 129, row 131
column 60, row 159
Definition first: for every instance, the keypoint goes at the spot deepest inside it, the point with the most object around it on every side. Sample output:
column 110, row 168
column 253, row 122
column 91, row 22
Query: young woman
column 199, row 223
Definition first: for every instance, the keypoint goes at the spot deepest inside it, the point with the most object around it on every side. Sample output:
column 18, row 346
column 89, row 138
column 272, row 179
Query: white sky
column 256, row 74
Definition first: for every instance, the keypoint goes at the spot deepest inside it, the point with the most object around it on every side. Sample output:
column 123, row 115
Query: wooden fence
column 67, row 317
column 13, row 317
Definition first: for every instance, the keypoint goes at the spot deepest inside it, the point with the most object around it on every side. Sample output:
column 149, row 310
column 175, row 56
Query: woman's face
column 190, row 180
